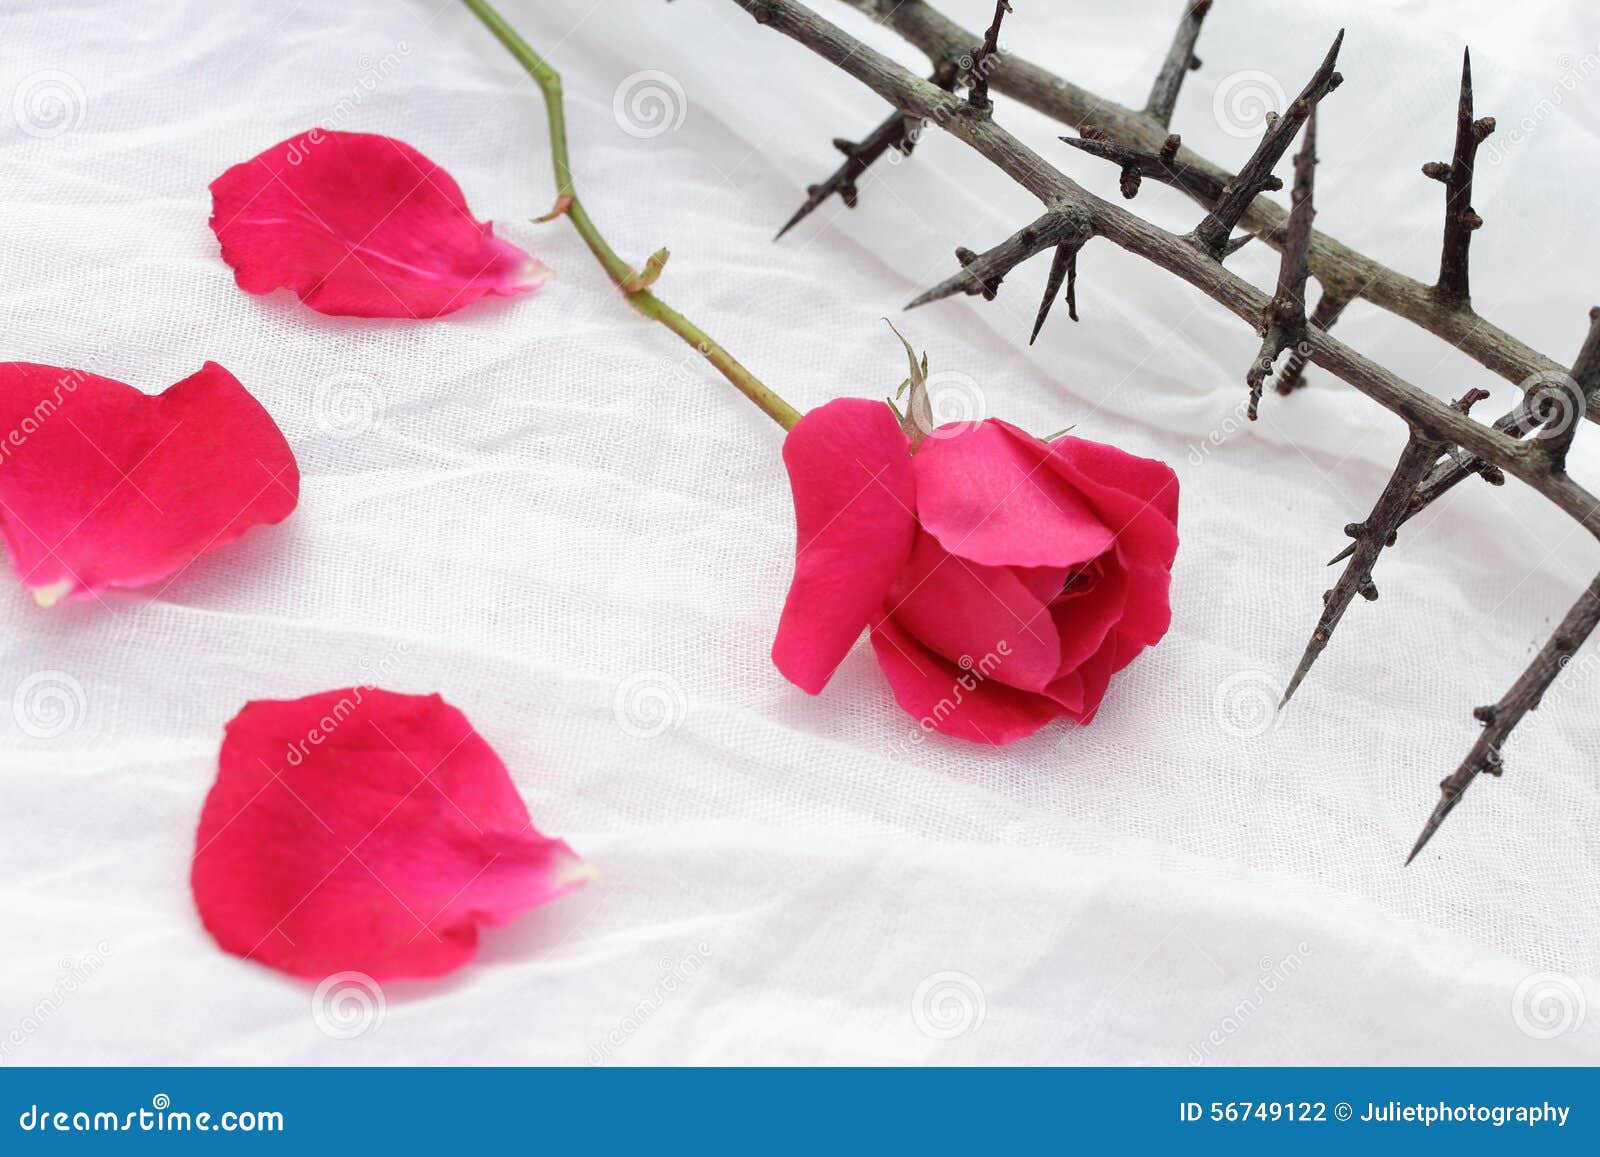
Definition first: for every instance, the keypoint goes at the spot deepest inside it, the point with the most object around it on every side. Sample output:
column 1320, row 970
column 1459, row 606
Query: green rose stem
column 635, row 286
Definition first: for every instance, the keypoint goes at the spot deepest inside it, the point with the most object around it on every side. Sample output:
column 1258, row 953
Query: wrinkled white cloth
column 553, row 513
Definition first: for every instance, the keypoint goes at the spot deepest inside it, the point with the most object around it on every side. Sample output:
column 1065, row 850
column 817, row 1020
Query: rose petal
column 1096, row 672
column 1068, row 691
column 1084, row 621
column 1136, row 497
column 967, row 612
column 104, row 486
column 1148, row 611
column 362, row 830
column 1147, row 479
column 987, row 499
column 1045, row 583
column 850, row 471
column 953, row 701
column 360, row 225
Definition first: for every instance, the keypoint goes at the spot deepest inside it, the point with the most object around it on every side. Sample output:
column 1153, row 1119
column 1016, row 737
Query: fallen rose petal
column 360, row 225
column 103, row 486
column 363, row 830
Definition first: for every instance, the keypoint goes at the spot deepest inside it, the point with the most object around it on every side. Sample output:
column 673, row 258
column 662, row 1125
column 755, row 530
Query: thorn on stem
column 563, row 203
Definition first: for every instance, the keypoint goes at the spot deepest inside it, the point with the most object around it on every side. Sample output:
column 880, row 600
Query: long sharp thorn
column 1447, row 802
column 1371, row 537
column 800, row 215
column 1059, row 267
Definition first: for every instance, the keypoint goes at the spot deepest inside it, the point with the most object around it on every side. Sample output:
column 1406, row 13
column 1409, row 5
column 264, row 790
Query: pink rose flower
column 1005, row 579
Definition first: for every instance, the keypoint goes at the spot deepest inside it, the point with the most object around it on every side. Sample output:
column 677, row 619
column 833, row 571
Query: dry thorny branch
column 1445, row 444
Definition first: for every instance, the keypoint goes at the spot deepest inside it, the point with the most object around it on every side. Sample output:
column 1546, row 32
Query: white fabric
column 551, row 512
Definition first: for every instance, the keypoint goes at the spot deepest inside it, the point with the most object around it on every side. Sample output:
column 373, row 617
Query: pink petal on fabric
column 965, row 704
column 360, row 225
column 972, row 614
column 850, row 470
column 362, row 830
column 988, row 499
column 104, row 486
